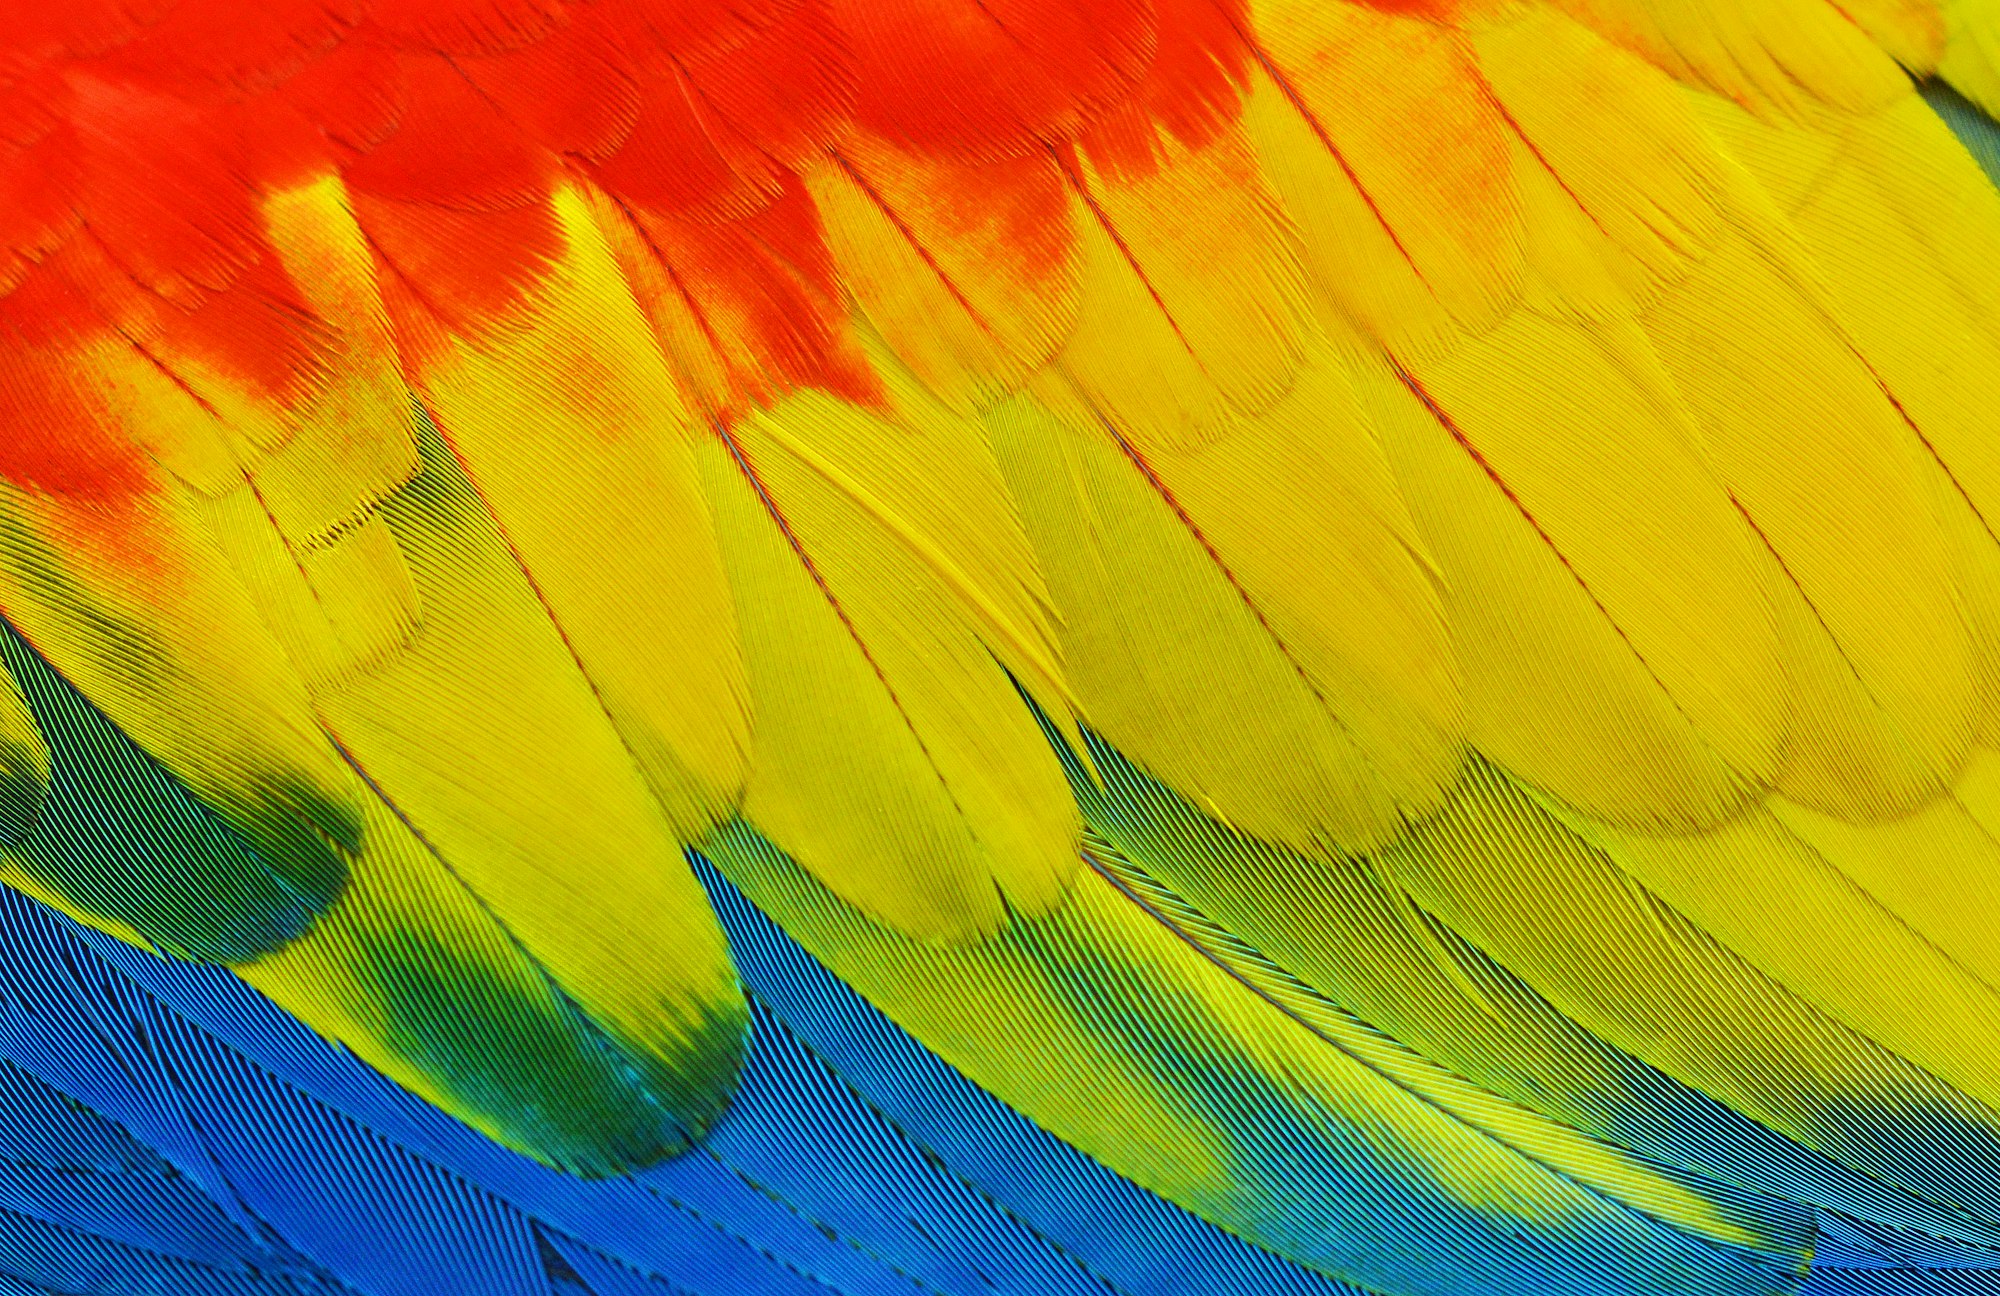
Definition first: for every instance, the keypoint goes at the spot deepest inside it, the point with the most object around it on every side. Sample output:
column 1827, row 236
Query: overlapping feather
column 1385, row 617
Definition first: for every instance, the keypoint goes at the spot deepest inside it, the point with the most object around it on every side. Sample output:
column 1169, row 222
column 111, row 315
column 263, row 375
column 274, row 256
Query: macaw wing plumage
column 1026, row 646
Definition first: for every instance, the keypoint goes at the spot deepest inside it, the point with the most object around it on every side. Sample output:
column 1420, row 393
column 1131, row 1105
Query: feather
column 1407, row 210
column 1558, row 633
column 968, row 272
column 804, row 646
column 577, row 462
column 421, row 732
column 1163, row 1114
column 857, row 597
column 1971, row 60
column 1784, row 55
column 1353, row 929
column 131, row 602
column 1192, row 297
column 1251, row 721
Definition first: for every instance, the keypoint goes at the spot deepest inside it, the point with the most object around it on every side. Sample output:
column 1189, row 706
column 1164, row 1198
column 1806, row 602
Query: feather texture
column 1032, row 646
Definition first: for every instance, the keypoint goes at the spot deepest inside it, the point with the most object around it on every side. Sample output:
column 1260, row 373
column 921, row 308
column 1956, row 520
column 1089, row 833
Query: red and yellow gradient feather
column 1090, row 513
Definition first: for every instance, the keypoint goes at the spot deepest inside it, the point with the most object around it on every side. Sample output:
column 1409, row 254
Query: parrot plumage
column 999, row 647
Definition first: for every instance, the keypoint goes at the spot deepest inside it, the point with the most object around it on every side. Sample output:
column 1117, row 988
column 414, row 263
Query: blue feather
column 165, row 1130
column 1903, row 1282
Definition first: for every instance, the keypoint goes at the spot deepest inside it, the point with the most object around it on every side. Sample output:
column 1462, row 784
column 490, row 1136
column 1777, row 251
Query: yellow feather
column 323, row 456
column 147, row 620
column 364, row 588
column 488, row 742
column 1193, row 294
column 1595, row 575
column 1364, row 286
column 1826, row 470
column 1299, row 508
column 1896, row 219
column 1936, row 871
column 1971, row 59
column 946, row 501
column 1580, row 929
column 1913, row 32
column 969, row 282
column 1783, row 56
column 1295, row 674
column 413, row 971
column 1170, row 660
column 565, row 420
column 1794, row 894
column 701, row 376
column 339, row 608
column 872, row 564
column 981, row 1002
column 352, row 440
column 1978, row 791
column 24, row 765
column 1387, row 150
column 1146, row 1050
column 1613, row 140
